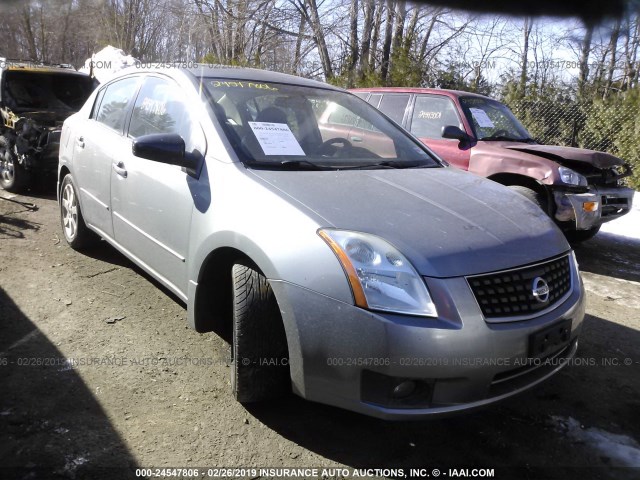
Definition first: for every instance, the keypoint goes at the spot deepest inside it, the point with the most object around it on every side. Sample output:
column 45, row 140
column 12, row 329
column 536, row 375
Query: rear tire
column 259, row 365
column 13, row 176
column 75, row 231
column 579, row 236
column 536, row 197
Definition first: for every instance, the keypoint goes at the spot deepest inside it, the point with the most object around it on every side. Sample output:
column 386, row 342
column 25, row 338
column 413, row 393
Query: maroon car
column 581, row 189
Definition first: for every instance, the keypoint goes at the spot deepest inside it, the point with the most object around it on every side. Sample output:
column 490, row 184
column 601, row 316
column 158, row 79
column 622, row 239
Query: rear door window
column 394, row 106
column 431, row 113
column 362, row 95
column 374, row 99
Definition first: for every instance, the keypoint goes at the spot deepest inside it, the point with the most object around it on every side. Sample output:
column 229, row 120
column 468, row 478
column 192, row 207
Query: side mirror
column 164, row 148
column 451, row 131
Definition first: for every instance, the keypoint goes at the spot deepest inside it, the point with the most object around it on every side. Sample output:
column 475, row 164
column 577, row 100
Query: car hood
column 446, row 222
column 53, row 118
column 560, row 154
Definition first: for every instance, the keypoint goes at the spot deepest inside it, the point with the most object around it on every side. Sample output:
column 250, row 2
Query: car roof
column 234, row 73
column 439, row 91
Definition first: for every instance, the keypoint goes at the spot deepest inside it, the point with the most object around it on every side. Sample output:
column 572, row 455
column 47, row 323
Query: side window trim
column 97, row 103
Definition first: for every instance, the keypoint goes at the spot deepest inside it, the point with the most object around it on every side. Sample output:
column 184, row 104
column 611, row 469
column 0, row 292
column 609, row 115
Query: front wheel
column 260, row 366
column 13, row 176
column 536, row 197
column 76, row 232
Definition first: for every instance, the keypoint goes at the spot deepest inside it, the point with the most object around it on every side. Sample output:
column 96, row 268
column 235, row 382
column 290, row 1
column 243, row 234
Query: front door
column 152, row 202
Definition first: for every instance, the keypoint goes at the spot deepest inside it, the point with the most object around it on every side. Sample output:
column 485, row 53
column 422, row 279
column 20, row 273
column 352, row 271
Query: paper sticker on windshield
column 482, row 118
column 276, row 138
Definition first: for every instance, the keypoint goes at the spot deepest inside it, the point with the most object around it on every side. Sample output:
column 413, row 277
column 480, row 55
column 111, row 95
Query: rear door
column 429, row 114
column 152, row 202
column 94, row 141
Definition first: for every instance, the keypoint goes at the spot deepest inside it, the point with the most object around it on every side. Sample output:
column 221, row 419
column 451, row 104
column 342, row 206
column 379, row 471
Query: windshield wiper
column 507, row 139
column 305, row 163
column 308, row 165
column 386, row 164
column 500, row 137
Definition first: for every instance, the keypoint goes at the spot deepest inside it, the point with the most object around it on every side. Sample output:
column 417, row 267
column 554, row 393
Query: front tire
column 259, row 366
column 536, row 197
column 75, row 231
column 13, row 176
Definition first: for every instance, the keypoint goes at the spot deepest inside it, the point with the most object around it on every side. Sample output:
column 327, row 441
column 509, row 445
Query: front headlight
column 380, row 276
column 571, row 177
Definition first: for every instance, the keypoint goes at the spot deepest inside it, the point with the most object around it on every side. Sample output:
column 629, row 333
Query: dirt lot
column 99, row 375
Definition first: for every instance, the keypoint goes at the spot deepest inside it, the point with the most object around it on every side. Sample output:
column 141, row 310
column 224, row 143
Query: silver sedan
column 339, row 257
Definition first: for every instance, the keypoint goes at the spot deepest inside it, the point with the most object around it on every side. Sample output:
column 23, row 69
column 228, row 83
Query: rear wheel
column 536, row 197
column 75, row 231
column 260, row 367
column 579, row 236
column 13, row 177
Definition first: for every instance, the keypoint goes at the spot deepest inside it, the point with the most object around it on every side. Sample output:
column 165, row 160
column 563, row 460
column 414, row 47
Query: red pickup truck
column 580, row 189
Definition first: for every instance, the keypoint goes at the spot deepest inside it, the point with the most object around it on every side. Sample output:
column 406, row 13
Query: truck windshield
column 277, row 125
column 28, row 91
column 492, row 120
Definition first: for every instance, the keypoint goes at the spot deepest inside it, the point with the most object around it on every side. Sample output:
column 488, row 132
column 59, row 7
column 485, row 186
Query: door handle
column 119, row 169
column 80, row 142
column 356, row 139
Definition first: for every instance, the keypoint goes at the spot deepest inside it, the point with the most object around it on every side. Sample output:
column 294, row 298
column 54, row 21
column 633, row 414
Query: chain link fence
column 612, row 128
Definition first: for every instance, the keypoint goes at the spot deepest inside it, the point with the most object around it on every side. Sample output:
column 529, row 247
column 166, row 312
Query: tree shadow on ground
column 51, row 425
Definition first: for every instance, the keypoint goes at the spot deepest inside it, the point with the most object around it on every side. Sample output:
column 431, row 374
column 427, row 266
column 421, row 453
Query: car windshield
column 492, row 120
column 277, row 125
column 27, row 91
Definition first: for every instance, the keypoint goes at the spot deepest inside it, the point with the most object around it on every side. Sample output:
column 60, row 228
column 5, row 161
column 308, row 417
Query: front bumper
column 591, row 209
column 345, row 356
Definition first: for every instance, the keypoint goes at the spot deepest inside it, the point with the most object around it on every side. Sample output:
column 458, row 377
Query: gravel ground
column 99, row 376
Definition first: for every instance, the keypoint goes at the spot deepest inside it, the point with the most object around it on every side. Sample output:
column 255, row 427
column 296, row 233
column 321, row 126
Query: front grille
column 612, row 205
column 510, row 293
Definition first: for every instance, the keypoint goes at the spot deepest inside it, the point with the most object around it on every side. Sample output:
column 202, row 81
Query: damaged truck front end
column 34, row 102
column 587, row 187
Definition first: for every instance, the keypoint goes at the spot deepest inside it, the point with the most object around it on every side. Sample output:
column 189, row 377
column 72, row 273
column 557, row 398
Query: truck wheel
column 579, row 236
column 259, row 363
column 538, row 198
column 13, row 177
column 75, row 231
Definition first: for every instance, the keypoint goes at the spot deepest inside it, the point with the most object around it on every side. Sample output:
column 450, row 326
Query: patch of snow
column 612, row 288
column 108, row 61
column 627, row 226
column 623, row 451
column 72, row 464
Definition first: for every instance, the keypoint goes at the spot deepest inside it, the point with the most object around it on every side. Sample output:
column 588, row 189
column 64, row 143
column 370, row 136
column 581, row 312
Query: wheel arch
column 508, row 179
column 210, row 298
column 62, row 172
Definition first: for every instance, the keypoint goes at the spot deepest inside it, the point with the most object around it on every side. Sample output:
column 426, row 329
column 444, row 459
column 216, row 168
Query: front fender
column 488, row 165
